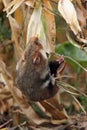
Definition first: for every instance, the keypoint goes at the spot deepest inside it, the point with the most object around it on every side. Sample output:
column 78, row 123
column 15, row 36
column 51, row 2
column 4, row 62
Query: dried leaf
column 50, row 23
column 35, row 117
column 34, row 22
column 30, row 3
column 36, row 27
column 9, row 5
column 6, row 100
column 54, row 112
column 15, row 34
column 42, row 37
column 15, row 4
column 16, row 37
column 67, row 10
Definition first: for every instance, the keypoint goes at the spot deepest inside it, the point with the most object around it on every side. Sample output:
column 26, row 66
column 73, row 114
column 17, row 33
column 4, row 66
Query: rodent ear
column 24, row 57
column 36, row 58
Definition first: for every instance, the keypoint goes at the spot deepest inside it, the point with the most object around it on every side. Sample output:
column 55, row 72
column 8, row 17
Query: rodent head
column 34, row 54
column 37, row 50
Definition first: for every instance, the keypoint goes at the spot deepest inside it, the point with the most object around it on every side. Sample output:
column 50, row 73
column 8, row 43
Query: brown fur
column 29, row 73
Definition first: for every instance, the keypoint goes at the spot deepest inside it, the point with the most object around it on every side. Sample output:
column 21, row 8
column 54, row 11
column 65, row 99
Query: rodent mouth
column 60, row 59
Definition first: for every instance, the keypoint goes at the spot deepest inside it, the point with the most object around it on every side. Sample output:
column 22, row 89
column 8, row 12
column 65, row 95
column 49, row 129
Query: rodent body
column 33, row 73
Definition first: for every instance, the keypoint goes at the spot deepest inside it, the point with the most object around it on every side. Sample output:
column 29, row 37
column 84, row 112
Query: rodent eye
column 36, row 42
column 47, row 54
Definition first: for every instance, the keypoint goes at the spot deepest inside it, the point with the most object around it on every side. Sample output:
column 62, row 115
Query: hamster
column 35, row 72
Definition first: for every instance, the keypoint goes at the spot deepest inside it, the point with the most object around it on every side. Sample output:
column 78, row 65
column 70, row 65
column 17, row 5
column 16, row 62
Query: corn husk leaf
column 49, row 23
column 15, row 4
column 15, row 34
column 34, row 22
column 36, row 28
column 55, row 113
column 67, row 10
